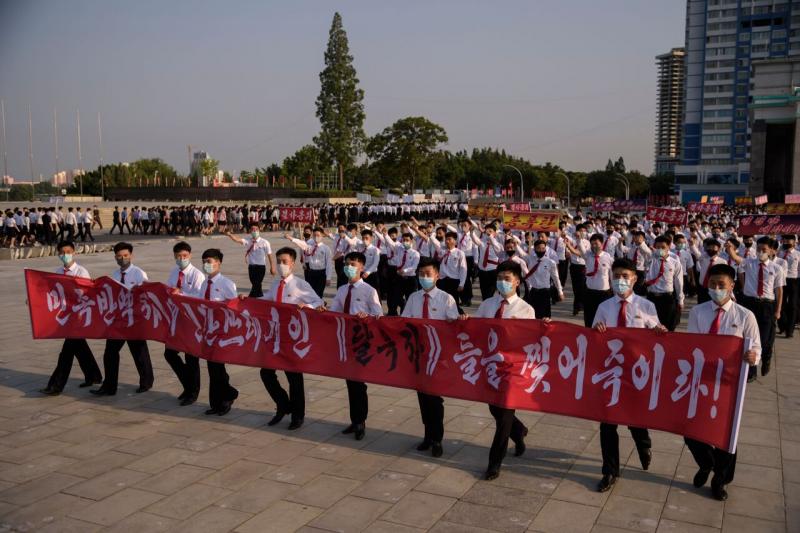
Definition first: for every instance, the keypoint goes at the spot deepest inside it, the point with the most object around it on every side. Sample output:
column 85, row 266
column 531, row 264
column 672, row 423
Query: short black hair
column 663, row 238
column 213, row 253
column 123, row 246
column 404, row 235
column 64, row 244
column 351, row 226
column 789, row 237
column 538, row 242
column 254, row 225
column 428, row 262
column 366, row 232
column 711, row 241
column 510, row 266
column 287, row 251
column 181, row 246
column 597, row 237
column 721, row 269
column 454, row 235
column 623, row 263
column 356, row 256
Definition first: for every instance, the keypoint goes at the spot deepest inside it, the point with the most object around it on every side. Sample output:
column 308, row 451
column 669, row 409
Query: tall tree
column 405, row 150
column 340, row 107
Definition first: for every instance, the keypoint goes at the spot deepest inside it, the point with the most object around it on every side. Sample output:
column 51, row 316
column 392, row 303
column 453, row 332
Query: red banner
column 520, row 207
column 706, row 209
column 761, row 200
column 744, row 200
column 297, row 214
column 792, row 199
column 783, row 209
column 670, row 216
column 621, row 206
column 687, row 384
column 769, row 224
column 531, row 220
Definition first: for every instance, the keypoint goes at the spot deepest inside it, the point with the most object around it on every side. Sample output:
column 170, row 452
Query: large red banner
column 297, row 214
column 531, row 220
column 621, row 206
column 687, row 384
column 706, row 209
column 670, row 216
column 769, row 224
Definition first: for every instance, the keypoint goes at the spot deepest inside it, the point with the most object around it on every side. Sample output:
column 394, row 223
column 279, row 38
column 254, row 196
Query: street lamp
column 521, row 184
column 566, row 178
column 624, row 180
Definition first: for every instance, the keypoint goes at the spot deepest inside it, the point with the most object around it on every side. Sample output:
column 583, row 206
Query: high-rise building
column 722, row 38
column 669, row 113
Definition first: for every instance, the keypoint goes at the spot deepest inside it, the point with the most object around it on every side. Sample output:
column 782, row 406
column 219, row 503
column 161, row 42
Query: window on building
column 779, row 34
column 778, row 48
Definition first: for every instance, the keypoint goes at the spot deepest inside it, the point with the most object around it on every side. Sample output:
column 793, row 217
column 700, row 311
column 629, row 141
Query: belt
column 316, row 270
column 763, row 300
column 654, row 293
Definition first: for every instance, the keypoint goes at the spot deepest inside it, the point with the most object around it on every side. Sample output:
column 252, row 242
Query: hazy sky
column 566, row 81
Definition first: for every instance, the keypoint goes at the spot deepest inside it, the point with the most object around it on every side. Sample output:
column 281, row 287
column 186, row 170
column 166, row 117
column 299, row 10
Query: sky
column 572, row 82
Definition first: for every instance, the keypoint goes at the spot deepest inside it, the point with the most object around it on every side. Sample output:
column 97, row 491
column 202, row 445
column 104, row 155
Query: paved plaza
column 139, row 462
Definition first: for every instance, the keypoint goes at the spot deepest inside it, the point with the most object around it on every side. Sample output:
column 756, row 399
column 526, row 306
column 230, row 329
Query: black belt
column 763, row 300
column 654, row 293
column 316, row 269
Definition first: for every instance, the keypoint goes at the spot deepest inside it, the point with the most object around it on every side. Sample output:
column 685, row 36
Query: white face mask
column 718, row 295
column 763, row 257
column 284, row 270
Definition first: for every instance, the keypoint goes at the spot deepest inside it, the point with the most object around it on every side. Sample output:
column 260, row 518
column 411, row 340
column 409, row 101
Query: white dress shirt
column 792, row 258
column 640, row 254
column 774, row 277
column 583, row 246
column 222, row 289
column 541, row 272
column 486, row 252
column 295, row 291
column 193, row 279
column 704, row 262
column 601, row 280
column 610, row 245
column 364, row 298
column 515, row 308
column 441, row 305
column 736, row 321
column 559, row 247
column 373, row 257
column 75, row 270
column 406, row 261
column 134, row 276
column 454, row 266
column 257, row 255
column 317, row 256
column 671, row 280
column 639, row 312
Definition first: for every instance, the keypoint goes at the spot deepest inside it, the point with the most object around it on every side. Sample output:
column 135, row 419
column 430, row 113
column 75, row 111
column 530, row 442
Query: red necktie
column 532, row 271
column 596, row 266
column 501, row 308
column 122, row 277
column 622, row 319
column 313, row 251
column 66, row 271
column 279, row 296
column 403, row 262
column 180, row 279
column 760, row 280
column 486, row 256
column 705, row 278
column 660, row 274
column 208, row 289
column 605, row 243
column 635, row 256
column 714, row 329
column 252, row 245
column 425, row 302
column 347, row 298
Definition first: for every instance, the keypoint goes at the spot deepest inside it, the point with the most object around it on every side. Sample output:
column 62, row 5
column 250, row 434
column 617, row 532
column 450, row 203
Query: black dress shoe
column 645, row 456
column 102, row 392
column 189, row 399
column 349, row 429
column 718, row 491
column 183, row 395
column 436, row 449
column 211, row 411
column 751, row 378
column 491, row 473
column 295, row 424
column 89, row 383
column 700, row 478
column 224, row 408
column 519, row 448
column 142, row 389
column 606, row 483
column 360, row 431
column 277, row 418
column 50, row 391
column 765, row 367
column 424, row 445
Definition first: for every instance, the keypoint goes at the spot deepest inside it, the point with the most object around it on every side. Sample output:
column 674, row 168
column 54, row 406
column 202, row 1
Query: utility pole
column 100, row 137
column 80, row 156
column 30, row 144
column 5, row 153
column 55, row 136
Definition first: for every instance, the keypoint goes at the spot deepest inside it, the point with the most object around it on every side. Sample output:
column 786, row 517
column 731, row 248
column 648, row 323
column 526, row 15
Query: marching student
column 218, row 288
column 577, row 266
column 291, row 290
column 359, row 299
column 72, row 348
column 129, row 276
column 664, row 283
column 704, row 262
column 452, row 271
column 186, row 279
column 505, row 304
column 373, row 256
column 318, row 259
column 404, row 262
column 487, row 250
column 721, row 316
column 433, row 303
column 640, row 254
column 687, row 263
column 466, row 245
column 542, row 271
column 258, row 253
column 340, row 247
column 763, row 296
column 598, row 276
column 625, row 310
column 789, row 254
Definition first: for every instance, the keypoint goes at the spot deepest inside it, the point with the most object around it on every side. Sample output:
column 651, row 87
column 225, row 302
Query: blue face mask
column 65, row 258
column 718, row 295
column 208, row 268
column 621, row 286
column 426, row 283
column 183, row 263
column 504, row 287
column 350, row 271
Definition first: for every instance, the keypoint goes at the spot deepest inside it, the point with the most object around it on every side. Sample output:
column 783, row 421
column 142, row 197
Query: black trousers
column 432, row 410
column 507, row 426
column 293, row 402
column 359, row 402
column 764, row 310
column 577, row 274
column 539, row 299
column 399, row 291
column 789, row 308
column 702, row 295
column 188, row 372
column 87, row 232
column 466, row 294
column 609, row 445
column 256, row 274
column 383, row 277
column 666, row 308
column 115, row 224
column 373, row 281
column 563, row 268
column 640, row 288
column 141, row 358
column 450, row 286
column 317, row 279
column 709, row 458
column 341, row 279
column 591, row 301
column 220, row 390
column 488, row 283
column 71, row 349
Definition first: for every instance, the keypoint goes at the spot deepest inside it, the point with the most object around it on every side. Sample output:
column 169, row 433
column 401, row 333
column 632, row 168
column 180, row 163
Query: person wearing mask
column 452, row 272
column 373, row 257
column 185, row 279
column 361, row 300
column 640, row 254
column 404, row 262
column 624, row 310
column 258, row 252
column 721, row 316
column 577, row 266
column 217, row 288
column 789, row 254
column 288, row 289
column 598, row 276
column 542, row 272
column 129, row 276
column 431, row 303
column 705, row 261
column 665, row 283
column 487, row 248
column 318, row 260
column 687, row 263
column 72, row 348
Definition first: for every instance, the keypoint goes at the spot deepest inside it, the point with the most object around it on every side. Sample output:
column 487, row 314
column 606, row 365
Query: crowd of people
column 624, row 271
